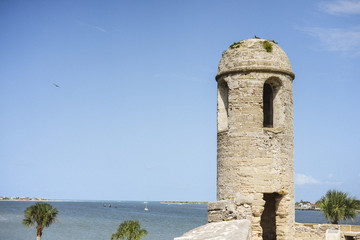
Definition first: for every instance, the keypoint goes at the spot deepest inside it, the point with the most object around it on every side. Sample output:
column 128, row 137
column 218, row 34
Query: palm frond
column 130, row 230
column 338, row 206
column 43, row 214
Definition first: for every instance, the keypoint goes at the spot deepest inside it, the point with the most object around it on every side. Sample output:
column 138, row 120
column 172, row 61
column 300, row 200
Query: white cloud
column 99, row 28
column 302, row 179
column 93, row 26
column 341, row 7
column 336, row 39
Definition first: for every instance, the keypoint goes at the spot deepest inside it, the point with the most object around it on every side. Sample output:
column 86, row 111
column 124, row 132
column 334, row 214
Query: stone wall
column 251, row 158
column 311, row 231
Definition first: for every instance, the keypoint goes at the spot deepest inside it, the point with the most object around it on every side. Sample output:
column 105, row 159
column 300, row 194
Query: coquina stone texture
column 232, row 230
column 313, row 231
column 256, row 139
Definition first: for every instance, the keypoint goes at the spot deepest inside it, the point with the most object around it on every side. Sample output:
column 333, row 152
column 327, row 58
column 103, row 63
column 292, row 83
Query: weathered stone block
column 231, row 230
column 218, row 205
column 243, row 199
column 333, row 234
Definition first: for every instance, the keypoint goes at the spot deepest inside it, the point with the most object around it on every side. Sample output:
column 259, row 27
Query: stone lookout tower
column 255, row 139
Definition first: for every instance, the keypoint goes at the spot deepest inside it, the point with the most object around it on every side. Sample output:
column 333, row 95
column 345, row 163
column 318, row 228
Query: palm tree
column 43, row 214
column 338, row 206
column 130, row 230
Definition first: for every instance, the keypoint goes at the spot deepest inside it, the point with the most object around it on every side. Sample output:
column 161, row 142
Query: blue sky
column 134, row 117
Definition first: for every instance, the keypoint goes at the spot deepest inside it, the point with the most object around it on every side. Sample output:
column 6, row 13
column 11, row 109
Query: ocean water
column 93, row 221
column 302, row 216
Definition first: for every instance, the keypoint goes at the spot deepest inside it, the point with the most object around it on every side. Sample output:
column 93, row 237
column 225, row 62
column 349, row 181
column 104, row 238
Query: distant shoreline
column 180, row 202
column 308, row 209
column 29, row 200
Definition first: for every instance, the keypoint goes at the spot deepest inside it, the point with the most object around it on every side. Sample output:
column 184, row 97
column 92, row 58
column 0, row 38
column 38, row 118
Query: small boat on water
column 109, row 205
column 146, row 208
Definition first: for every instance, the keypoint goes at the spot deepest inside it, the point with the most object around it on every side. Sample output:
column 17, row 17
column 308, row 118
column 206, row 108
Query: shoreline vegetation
column 183, row 202
column 24, row 199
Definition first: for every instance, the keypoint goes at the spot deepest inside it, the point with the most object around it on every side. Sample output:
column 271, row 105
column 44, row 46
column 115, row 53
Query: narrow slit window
column 223, row 105
column 268, row 105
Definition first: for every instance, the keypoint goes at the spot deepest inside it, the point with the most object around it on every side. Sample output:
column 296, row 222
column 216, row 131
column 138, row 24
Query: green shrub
column 235, row 45
column 268, row 46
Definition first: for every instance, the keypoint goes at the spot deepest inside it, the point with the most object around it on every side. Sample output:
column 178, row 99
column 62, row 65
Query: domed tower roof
column 258, row 55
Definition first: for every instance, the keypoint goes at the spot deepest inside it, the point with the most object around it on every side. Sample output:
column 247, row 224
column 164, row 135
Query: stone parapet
column 314, row 231
column 231, row 209
column 251, row 56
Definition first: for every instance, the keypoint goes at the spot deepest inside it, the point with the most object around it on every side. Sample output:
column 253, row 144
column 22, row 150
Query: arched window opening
column 223, row 106
column 268, row 106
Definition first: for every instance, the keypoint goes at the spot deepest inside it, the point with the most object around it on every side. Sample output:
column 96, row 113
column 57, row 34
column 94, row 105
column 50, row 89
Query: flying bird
column 56, row 85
